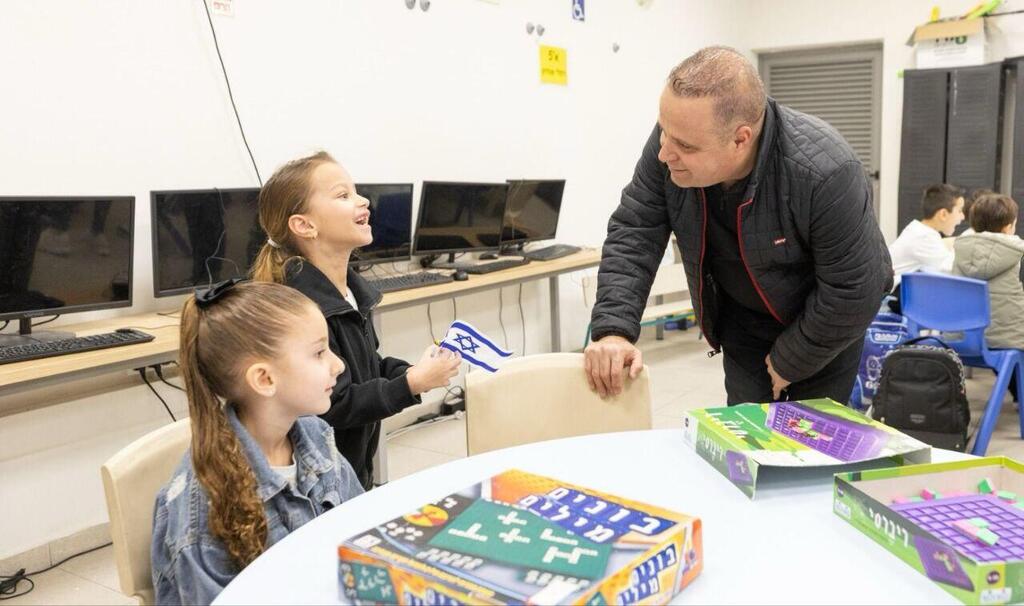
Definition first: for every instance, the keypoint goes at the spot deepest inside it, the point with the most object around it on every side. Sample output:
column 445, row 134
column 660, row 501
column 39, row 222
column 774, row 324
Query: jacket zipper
column 700, row 270
column 743, row 257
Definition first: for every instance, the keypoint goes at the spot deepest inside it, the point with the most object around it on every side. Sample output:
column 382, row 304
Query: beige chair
column 544, row 397
column 131, row 479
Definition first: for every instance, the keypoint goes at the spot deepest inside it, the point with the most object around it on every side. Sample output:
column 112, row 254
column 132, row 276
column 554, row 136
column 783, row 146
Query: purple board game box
column 960, row 524
column 752, row 443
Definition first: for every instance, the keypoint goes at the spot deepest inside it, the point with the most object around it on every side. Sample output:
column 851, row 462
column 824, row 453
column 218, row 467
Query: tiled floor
column 92, row 579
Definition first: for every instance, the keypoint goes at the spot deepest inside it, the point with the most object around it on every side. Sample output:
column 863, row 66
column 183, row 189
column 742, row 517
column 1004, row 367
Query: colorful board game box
column 520, row 538
column 961, row 524
column 742, row 442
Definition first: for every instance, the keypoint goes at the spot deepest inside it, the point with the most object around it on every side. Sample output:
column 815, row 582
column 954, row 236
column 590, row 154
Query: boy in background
column 993, row 253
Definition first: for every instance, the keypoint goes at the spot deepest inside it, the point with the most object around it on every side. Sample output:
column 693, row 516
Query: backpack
column 923, row 394
column 887, row 331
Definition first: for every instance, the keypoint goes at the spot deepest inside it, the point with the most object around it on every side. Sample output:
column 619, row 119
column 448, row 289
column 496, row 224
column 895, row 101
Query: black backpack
column 922, row 393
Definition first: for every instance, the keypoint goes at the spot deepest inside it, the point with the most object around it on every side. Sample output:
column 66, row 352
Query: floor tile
column 446, row 437
column 405, row 460
column 98, row 567
column 61, row 587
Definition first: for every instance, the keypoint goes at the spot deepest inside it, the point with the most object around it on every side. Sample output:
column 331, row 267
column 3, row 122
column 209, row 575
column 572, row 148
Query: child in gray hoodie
column 993, row 253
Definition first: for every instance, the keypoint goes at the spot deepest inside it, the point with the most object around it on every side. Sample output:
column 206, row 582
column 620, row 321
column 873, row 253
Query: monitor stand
column 25, row 335
column 449, row 264
column 515, row 250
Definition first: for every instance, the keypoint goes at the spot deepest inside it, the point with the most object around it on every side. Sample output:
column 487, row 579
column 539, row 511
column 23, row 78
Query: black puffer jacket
column 372, row 388
column 808, row 238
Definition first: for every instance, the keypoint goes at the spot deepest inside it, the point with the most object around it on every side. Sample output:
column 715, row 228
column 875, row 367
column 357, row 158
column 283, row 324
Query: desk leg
column 556, row 315
column 659, row 330
column 380, row 460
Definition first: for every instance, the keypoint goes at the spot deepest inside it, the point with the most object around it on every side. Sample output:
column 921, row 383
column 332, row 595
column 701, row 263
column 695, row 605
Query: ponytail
column 236, row 511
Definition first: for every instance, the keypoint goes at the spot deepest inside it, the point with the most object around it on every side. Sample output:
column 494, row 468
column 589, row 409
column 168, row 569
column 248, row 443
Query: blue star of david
column 466, row 343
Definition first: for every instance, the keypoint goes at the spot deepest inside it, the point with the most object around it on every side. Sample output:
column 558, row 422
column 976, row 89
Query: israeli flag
column 475, row 347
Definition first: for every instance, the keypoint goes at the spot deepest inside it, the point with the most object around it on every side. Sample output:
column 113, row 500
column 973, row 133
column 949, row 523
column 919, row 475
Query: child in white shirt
column 920, row 245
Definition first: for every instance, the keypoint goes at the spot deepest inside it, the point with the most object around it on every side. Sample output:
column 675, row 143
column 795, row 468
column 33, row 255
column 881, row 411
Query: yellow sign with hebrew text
column 554, row 65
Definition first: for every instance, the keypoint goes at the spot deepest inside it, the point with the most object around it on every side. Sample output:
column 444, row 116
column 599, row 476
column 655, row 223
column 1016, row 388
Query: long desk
column 32, row 374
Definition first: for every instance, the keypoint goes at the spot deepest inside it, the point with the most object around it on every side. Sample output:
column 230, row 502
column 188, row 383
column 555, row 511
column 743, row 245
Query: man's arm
column 852, row 272
column 638, row 233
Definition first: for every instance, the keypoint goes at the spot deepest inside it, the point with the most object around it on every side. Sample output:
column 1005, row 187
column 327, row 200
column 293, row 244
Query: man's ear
column 743, row 136
column 259, row 377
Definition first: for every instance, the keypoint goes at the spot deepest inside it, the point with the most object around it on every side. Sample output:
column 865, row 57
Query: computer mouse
column 460, row 275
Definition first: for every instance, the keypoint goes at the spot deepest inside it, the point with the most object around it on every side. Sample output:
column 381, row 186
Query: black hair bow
column 207, row 296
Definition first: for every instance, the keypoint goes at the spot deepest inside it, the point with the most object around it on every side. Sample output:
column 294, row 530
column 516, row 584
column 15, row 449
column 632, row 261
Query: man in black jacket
column 772, row 212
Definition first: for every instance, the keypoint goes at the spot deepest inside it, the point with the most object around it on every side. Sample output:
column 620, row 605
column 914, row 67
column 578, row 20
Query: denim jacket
column 190, row 565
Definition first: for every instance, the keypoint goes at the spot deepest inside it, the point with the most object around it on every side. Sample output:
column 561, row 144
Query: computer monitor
column 203, row 236
column 459, row 217
column 62, row 255
column 531, row 213
column 390, row 223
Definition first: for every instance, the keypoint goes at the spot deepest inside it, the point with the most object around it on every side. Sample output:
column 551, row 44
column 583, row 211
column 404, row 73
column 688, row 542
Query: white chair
column 131, row 480
column 544, row 397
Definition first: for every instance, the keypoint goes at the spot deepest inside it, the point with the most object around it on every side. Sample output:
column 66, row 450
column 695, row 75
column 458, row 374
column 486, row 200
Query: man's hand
column 604, row 361
column 778, row 383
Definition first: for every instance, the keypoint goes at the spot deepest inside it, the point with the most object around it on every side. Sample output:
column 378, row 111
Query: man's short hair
column 993, row 212
column 725, row 75
column 938, row 197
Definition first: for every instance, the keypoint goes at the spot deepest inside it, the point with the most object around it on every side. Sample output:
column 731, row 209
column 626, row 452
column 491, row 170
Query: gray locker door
column 923, row 145
column 975, row 127
column 1017, row 170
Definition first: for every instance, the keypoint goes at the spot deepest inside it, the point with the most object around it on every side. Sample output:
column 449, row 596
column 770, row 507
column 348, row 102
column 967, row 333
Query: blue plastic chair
column 954, row 304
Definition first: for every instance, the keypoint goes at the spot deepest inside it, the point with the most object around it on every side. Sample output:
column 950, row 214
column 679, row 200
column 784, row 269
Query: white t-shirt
column 918, row 248
column 351, row 299
column 289, row 473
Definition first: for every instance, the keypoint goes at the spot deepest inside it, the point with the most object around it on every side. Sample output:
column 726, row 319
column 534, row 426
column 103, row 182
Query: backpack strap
column 916, row 340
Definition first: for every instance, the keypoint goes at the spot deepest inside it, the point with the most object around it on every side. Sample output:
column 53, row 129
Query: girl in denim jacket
column 257, row 368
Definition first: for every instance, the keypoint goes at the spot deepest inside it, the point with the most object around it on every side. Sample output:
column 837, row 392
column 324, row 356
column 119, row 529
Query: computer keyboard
column 407, row 281
column 46, row 349
column 555, row 251
column 486, row 268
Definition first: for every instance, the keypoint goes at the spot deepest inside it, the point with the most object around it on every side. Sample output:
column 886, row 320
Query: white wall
column 794, row 24
column 123, row 97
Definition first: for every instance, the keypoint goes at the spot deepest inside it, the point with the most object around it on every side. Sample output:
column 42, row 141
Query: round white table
column 784, row 547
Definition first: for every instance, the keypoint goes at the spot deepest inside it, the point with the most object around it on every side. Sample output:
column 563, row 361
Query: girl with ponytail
column 314, row 220
column 256, row 367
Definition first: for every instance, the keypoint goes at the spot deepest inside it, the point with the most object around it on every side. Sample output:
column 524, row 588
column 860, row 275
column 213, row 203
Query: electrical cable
column 9, row 583
column 231, row 95
column 142, row 373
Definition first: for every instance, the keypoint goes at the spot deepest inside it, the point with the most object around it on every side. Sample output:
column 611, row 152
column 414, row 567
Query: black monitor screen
column 532, row 211
column 203, row 236
column 390, row 223
column 60, row 255
column 457, row 217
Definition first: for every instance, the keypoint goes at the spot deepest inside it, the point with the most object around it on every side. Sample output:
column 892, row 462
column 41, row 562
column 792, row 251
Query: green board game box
column 961, row 524
column 744, row 442
column 521, row 538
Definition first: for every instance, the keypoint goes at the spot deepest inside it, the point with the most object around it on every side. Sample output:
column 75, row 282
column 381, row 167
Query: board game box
column 520, row 538
column 744, row 441
column 961, row 524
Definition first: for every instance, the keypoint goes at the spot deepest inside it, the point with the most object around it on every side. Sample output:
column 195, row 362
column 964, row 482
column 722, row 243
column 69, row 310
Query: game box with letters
column 520, row 538
column 961, row 523
column 751, row 442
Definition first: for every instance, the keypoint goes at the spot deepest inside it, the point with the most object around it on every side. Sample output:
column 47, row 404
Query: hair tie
column 207, row 296
column 271, row 242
